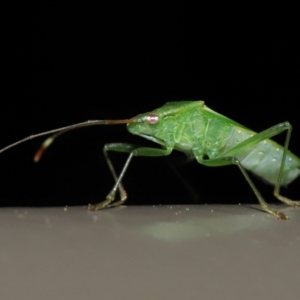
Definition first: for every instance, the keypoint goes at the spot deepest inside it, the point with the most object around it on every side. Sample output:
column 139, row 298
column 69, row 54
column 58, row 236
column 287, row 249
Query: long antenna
column 62, row 130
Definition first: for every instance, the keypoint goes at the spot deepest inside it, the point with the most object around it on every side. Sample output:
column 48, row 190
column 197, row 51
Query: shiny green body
column 193, row 128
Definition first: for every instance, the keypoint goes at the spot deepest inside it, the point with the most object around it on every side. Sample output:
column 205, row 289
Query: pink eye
column 152, row 118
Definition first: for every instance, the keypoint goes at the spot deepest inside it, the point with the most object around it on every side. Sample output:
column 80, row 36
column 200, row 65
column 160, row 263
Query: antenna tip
column 38, row 155
column 42, row 149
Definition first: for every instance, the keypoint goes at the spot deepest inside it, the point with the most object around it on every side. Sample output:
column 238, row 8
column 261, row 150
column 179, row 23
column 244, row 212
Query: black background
column 67, row 62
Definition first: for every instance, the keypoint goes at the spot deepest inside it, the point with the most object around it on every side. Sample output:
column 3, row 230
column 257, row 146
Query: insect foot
column 98, row 206
column 297, row 204
column 282, row 216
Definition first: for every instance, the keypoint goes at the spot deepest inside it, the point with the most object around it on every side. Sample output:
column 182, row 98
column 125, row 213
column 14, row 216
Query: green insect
column 201, row 133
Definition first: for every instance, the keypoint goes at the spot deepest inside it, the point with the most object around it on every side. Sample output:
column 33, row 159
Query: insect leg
column 134, row 151
column 259, row 137
column 229, row 160
column 118, row 147
column 266, row 134
column 278, row 182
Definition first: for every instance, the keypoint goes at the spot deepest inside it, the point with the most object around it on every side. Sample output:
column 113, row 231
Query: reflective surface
column 163, row 252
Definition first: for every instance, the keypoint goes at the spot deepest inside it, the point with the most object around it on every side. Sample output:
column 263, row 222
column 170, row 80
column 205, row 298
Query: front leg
column 133, row 150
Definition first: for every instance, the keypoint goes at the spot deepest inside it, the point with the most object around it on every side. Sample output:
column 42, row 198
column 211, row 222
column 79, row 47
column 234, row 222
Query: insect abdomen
column 264, row 160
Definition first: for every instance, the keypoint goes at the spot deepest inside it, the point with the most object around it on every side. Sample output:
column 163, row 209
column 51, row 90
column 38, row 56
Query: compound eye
column 152, row 118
